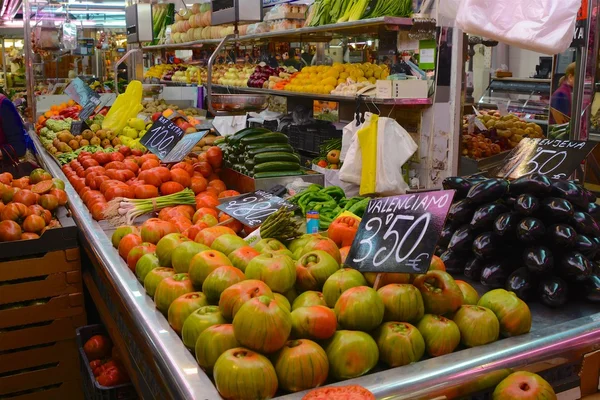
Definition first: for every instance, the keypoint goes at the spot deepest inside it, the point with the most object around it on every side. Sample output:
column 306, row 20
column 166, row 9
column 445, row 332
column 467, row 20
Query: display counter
column 161, row 367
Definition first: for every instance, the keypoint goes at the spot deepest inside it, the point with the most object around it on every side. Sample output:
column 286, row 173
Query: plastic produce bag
column 127, row 105
column 394, row 148
column 352, row 168
column 545, row 26
column 348, row 136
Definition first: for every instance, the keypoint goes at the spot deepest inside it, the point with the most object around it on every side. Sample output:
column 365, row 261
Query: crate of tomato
column 104, row 376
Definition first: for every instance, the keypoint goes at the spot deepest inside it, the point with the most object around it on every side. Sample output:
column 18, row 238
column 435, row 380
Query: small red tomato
column 98, row 346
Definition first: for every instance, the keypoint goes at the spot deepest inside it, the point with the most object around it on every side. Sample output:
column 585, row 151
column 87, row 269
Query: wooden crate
column 63, row 306
column 70, row 390
column 49, row 263
column 39, row 366
column 40, row 333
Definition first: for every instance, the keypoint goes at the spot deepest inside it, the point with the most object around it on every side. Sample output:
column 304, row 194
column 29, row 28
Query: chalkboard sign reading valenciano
column 252, row 209
column 555, row 158
column 399, row 233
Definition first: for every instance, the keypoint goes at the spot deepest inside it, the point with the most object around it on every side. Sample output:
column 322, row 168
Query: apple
column 313, row 269
column 183, row 254
column 242, row 256
column 276, row 270
column 166, row 245
column 228, row 243
column 205, row 262
column 120, row 232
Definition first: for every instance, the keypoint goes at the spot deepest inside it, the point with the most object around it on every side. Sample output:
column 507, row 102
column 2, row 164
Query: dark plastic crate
column 91, row 388
column 270, row 125
column 308, row 138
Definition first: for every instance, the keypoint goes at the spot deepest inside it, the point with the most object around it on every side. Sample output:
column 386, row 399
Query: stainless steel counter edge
column 180, row 371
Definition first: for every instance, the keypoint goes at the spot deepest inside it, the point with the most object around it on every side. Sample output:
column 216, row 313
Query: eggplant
column 553, row 291
column 506, row 224
column 461, row 185
column 494, row 275
column 591, row 288
column 570, row 191
column 593, row 209
column 586, row 246
column 530, row 230
column 453, row 261
column 538, row 259
column 487, row 191
column 574, row 267
column 535, row 184
column 473, row 268
column 485, row 246
column 462, row 239
column 562, row 235
column 585, row 224
column 460, row 212
column 484, row 216
column 589, row 196
column 557, row 209
column 477, row 179
column 509, row 201
column 521, row 282
column 526, row 204
column 445, row 236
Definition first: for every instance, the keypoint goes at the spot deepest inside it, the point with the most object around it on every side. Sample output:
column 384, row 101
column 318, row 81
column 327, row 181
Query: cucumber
column 261, row 146
column 277, row 174
column 276, row 156
column 246, row 133
column 274, row 166
column 279, row 147
column 266, row 138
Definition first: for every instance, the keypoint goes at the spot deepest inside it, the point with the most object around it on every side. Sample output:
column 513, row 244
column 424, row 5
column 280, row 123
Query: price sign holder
column 399, row 233
column 183, row 148
column 162, row 137
column 81, row 93
column 252, row 209
column 557, row 159
column 78, row 126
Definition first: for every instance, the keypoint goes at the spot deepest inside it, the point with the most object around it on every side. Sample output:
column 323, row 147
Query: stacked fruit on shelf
column 57, row 138
column 267, row 77
column 27, row 205
column 260, row 153
column 549, row 226
column 193, row 24
column 326, row 79
column 130, row 174
column 233, row 75
column 292, row 315
column 489, row 133
column 329, row 154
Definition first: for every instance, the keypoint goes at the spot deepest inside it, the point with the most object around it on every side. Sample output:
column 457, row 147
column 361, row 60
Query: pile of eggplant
column 534, row 236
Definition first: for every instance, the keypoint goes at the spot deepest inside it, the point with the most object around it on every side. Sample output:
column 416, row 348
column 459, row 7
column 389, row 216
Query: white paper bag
column 545, row 26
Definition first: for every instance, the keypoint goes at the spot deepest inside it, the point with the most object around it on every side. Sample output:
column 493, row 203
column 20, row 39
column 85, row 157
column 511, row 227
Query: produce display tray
column 558, row 337
column 244, row 183
column 469, row 166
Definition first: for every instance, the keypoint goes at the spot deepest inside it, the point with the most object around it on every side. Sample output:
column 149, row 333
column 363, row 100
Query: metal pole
column 30, row 81
column 211, row 61
column 4, row 64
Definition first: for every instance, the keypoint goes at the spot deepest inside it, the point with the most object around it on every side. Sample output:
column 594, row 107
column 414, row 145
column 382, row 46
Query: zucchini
column 276, row 156
column 279, row 147
column 261, row 146
column 273, row 166
column 236, row 137
column 277, row 174
column 266, row 138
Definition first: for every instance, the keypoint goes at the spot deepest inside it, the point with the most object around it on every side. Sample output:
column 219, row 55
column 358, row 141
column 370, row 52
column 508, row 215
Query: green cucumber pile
column 260, row 153
column 560, row 132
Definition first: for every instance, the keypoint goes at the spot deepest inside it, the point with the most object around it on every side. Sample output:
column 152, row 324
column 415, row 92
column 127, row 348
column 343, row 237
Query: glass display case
column 529, row 99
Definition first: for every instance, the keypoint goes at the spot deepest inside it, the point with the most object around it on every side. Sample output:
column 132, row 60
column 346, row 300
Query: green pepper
column 335, row 191
column 352, row 202
column 310, row 189
column 360, row 207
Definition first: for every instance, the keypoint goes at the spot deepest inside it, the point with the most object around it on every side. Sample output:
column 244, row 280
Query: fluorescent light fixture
column 12, row 24
column 95, row 4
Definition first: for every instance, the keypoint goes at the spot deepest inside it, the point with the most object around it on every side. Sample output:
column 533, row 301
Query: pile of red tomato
column 27, row 205
column 100, row 177
column 105, row 361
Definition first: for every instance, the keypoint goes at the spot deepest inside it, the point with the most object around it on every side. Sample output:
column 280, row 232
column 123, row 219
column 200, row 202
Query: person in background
column 12, row 129
column 561, row 99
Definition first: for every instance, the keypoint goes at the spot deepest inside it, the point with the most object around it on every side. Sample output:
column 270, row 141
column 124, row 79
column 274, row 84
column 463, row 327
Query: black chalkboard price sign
column 555, row 158
column 78, row 126
column 162, row 137
column 252, row 209
column 399, row 233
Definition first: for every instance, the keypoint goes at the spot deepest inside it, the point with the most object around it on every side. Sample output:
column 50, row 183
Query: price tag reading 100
column 162, row 137
column 399, row 233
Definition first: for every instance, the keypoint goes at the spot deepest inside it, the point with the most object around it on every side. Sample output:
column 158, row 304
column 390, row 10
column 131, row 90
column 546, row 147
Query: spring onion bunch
column 123, row 211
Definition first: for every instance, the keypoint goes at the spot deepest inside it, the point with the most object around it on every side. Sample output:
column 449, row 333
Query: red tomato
column 164, row 173
column 168, row 188
column 204, row 168
column 186, row 211
column 198, row 184
column 97, row 169
column 201, row 212
column 9, row 231
column 117, row 156
column 16, row 212
column 21, row 183
column 145, row 191
column 150, row 164
column 149, row 156
column 203, row 200
column 181, row 222
column 127, row 243
column 97, row 210
column 218, row 184
column 150, row 178
column 95, row 364
column 132, row 165
column 235, row 225
column 214, row 156
column 125, row 150
column 113, row 377
column 97, row 347
column 228, row 193
column 89, row 162
column 119, row 191
column 181, row 176
column 6, row 178
column 115, row 164
column 34, row 224
column 187, row 167
column 26, row 197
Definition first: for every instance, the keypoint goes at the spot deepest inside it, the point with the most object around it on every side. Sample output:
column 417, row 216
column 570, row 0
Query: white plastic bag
column 448, row 8
column 348, row 137
column 351, row 155
column 227, row 126
column 394, row 148
column 545, row 26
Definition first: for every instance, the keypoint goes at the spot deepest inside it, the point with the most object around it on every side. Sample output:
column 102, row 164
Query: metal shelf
column 313, row 34
column 394, row 102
